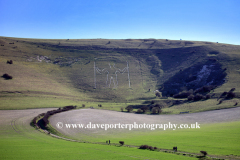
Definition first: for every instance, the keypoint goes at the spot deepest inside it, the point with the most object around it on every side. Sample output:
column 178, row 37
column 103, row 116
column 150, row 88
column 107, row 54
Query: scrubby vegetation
column 121, row 142
column 44, row 121
column 197, row 95
column 175, row 149
column 10, row 62
column 144, row 109
column 147, row 147
column 7, row 76
column 129, row 108
column 183, row 94
column 139, row 110
column 158, row 94
column 228, row 95
column 204, row 153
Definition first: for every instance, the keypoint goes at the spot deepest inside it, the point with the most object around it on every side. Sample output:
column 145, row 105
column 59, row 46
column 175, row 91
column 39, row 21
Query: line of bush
column 43, row 122
column 153, row 108
column 197, row 95
column 228, row 95
column 49, row 113
column 183, row 94
column 147, row 147
column 35, row 119
column 199, row 91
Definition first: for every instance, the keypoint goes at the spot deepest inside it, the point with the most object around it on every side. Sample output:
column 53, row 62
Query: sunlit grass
column 27, row 143
column 216, row 139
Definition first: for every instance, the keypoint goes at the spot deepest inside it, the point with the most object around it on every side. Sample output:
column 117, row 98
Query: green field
column 59, row 72
column 215, row 135
column 216, row 139
column 18, row 140
column 44, row 147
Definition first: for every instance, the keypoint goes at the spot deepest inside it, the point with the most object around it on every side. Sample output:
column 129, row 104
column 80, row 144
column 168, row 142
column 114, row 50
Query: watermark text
column 132, row 126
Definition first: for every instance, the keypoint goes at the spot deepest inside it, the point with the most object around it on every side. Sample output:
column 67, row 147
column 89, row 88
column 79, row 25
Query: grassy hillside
column 49, row 73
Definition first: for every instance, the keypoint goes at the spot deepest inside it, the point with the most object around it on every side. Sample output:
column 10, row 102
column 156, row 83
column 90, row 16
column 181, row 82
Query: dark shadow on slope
column 199, row 75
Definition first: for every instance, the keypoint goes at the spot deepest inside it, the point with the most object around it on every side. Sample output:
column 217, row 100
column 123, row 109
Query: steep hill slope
column 115, row 70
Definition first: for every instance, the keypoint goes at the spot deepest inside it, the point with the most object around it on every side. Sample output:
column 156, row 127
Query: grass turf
column 32, row 144
column 216, row 139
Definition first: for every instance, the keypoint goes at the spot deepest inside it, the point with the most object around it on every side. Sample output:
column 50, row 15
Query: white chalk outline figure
column 111, row 80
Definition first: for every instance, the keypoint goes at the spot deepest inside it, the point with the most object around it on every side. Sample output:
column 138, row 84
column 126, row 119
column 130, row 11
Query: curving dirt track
column 85, row 116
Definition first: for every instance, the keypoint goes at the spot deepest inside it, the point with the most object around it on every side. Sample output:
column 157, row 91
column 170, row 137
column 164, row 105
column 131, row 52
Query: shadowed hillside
column 115, row 70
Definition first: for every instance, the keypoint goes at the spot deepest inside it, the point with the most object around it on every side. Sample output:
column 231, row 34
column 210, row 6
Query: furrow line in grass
column 15, row 128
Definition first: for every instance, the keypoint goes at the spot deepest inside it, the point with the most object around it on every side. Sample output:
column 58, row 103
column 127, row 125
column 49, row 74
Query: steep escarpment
column 117, row 70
